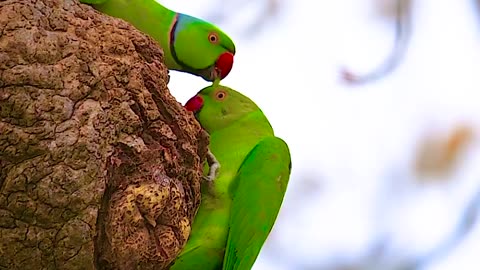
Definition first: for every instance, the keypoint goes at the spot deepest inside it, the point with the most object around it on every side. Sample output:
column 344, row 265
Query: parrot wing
column 258, row 190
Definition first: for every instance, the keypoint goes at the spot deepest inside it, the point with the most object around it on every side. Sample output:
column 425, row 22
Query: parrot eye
column 220, row 95
column 213, row 38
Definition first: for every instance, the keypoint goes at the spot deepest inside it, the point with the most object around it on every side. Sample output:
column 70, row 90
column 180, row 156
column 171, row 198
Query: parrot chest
column 209, row 233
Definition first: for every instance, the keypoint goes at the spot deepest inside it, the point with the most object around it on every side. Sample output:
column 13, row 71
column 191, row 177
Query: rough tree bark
column 100, row 167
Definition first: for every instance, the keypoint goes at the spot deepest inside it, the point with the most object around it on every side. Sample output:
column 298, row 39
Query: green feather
column 189, row 51
column 237, row 214
column 148, row 16
column 258, row 191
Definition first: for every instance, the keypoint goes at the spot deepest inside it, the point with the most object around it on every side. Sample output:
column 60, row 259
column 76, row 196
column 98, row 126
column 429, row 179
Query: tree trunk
column 100, row 167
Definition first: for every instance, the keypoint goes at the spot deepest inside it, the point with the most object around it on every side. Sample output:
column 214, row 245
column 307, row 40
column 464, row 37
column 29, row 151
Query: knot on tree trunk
column 100, row 167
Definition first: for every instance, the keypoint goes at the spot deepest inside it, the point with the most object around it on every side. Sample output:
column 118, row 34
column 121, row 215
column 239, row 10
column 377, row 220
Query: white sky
column 357, row 143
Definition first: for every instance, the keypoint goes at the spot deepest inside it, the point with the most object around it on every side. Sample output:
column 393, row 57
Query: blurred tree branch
column 226, row 8
column 402, row 17
column 465, row 225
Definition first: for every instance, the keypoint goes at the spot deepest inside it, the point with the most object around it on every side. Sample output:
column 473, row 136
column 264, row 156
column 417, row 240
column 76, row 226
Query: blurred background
column 379, row 103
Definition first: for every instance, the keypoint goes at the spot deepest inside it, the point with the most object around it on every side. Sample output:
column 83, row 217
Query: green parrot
column 190, row 44
column 239, row 208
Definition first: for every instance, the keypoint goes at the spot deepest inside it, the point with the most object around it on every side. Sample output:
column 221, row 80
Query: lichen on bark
column 100, row 167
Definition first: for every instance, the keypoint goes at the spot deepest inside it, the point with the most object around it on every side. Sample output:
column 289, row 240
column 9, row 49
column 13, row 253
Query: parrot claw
column 213, row 165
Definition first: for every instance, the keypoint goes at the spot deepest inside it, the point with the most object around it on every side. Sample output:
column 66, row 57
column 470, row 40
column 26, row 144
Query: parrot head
column 216, row 107
column 200, row 48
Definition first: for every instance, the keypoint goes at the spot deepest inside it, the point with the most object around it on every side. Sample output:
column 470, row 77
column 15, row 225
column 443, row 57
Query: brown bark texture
column 100, row 166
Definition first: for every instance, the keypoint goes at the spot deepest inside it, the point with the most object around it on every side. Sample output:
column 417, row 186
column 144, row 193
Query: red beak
column 194, row 104
column 224, row 64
